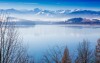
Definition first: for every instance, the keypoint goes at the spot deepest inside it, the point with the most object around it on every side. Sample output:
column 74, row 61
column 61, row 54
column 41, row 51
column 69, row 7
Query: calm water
column 41, row 37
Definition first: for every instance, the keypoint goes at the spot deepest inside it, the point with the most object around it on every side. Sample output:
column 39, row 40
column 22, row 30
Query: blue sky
column 51, row 4
column 49, row 1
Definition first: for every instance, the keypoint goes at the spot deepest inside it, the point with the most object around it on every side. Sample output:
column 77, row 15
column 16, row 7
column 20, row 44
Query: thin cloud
column 18, row 3
column 31, row 3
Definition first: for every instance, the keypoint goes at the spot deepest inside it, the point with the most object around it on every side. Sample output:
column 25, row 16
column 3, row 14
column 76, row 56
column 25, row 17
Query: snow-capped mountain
column 38, row 11
column 42, row 14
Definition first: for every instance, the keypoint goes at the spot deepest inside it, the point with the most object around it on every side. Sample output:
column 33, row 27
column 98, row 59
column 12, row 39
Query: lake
column 39, row 38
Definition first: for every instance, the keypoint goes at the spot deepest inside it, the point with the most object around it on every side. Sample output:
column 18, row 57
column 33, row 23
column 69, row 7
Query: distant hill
column 69, row 21
column 82, row 21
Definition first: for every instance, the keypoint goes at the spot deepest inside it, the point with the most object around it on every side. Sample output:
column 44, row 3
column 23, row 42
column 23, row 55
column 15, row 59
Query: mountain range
column 40, row 16
column 50, row 15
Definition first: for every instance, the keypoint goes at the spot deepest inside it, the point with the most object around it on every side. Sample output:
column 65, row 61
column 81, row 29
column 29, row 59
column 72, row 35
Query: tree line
column 85, row 54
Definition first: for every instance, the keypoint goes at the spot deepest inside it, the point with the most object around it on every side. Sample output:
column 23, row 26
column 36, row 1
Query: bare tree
column 53, row 55
column 66, row 56
column 84, row 53
column 98, row 52
column 56, row 55
column 11, row 49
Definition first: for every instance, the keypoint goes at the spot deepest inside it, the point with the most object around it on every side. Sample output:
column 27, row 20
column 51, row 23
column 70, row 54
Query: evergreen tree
column 66, row 57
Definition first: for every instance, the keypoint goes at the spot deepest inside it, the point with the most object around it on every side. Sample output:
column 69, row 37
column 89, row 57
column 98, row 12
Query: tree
column 84, row 53
column 56, row 55
column 98, row 52
column 11, row 49
column 66, row 57
column 53, row 55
